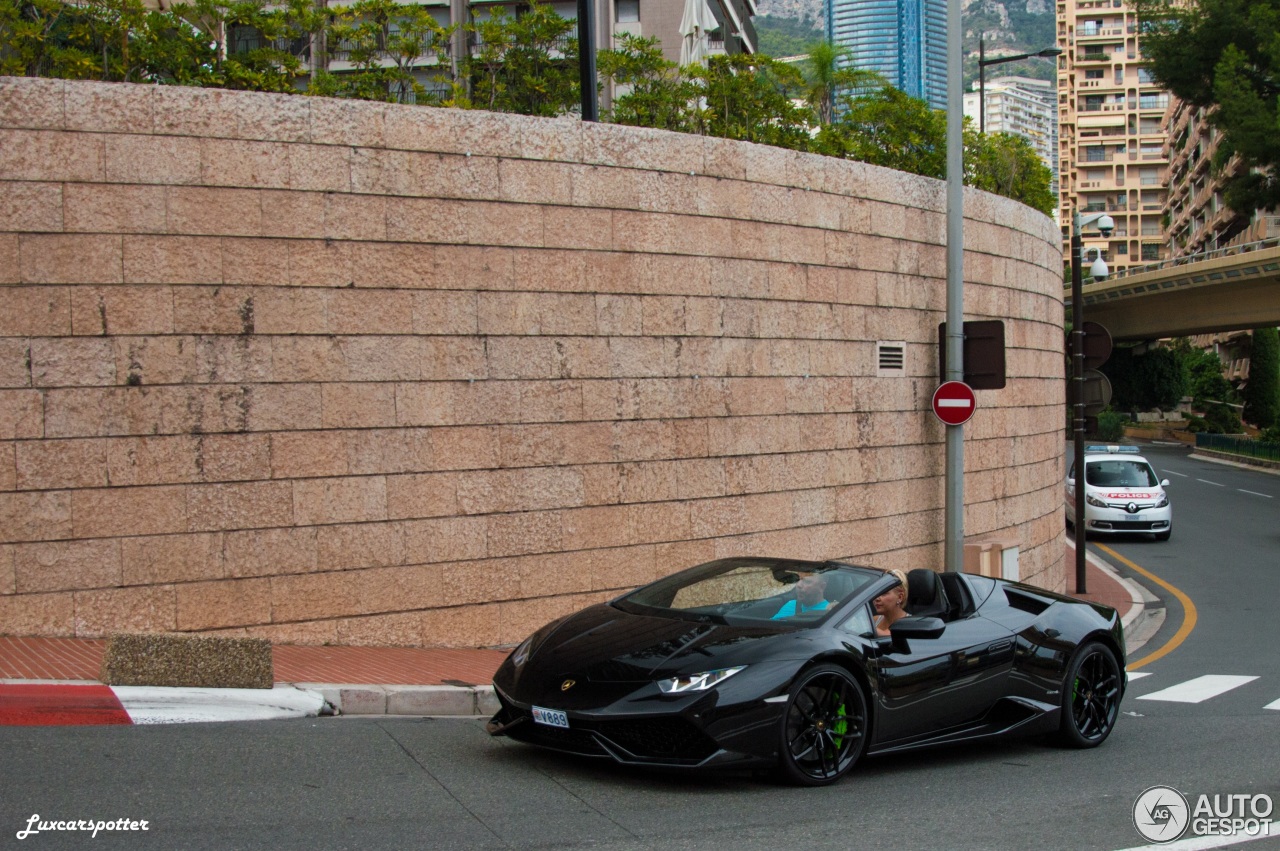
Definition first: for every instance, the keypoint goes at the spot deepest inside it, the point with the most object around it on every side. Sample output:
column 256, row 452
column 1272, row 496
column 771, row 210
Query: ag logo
column 568, row 684
column 1161, row 814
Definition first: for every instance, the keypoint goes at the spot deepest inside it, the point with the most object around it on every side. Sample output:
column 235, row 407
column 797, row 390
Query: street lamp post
column 983, row 62
column 1099, row 270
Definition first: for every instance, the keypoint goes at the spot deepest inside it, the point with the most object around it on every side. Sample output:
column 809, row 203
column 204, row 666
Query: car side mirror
column 917, row 627
column 1164, row 484
column 1071, row 483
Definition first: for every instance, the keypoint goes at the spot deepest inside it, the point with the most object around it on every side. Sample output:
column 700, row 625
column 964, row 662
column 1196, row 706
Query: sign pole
column 953, row 523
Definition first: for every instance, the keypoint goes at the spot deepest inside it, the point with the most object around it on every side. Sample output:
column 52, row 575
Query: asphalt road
column 435, row 783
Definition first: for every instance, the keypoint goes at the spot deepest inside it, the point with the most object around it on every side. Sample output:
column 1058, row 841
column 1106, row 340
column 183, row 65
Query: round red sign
column 954, row 403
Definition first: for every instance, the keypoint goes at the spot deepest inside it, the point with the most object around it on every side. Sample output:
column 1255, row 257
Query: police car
column 1122, row 493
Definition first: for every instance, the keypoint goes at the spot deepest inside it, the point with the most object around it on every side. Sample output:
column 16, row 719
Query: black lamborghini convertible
column 738, row 662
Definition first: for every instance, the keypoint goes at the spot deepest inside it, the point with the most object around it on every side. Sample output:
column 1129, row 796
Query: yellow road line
column 1188, row 609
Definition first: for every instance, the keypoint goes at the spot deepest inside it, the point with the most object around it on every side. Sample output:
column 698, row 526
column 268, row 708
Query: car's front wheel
column 1090, row 697
column 824, row 728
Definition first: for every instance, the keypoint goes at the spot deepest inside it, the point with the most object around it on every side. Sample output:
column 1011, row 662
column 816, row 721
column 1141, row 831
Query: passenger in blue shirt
column 810, row 597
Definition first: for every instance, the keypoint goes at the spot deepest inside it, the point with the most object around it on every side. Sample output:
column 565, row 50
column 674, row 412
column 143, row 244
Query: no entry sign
column 954, row 403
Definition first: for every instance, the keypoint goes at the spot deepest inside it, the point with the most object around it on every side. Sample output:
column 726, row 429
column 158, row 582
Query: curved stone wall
column 329, row 371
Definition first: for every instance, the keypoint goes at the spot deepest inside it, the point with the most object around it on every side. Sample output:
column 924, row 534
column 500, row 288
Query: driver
column 810, row 597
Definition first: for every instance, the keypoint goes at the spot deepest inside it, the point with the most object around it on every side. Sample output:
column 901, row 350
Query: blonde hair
column 902, row 578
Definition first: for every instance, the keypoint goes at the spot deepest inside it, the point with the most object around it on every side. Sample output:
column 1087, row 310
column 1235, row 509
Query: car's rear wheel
column 824, row 727
column 1090, row 697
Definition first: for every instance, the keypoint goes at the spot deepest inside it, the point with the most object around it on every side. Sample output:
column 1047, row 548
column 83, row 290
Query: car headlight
column 1164, row 500
column 1094, row 501
column 698, row 682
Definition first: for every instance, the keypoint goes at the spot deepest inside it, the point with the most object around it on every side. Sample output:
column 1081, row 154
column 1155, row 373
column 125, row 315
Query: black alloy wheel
column 824, row 726
column 1090, row 697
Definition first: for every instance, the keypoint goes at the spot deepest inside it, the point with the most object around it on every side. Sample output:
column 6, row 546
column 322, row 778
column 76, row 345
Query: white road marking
column 1273, row 705
column 1199, row 689
column 1255, row 493
column 1176, row 473
column 1137, row 676
column 1215, row 484
column 1204, row 843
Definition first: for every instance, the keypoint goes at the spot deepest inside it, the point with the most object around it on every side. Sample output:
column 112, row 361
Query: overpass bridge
column 1228, row 289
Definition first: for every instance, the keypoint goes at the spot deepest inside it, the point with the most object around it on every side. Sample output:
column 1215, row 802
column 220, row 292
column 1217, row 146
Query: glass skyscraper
column 905, row 41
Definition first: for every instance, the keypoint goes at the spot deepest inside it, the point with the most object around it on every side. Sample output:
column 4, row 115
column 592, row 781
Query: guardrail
column 1238, row 446
column 1271, row 242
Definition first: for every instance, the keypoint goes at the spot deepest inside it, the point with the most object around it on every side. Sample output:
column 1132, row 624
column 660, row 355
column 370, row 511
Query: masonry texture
column 326, row 371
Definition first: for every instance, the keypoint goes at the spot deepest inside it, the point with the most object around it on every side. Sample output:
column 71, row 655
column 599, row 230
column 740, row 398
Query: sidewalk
column 389, row 680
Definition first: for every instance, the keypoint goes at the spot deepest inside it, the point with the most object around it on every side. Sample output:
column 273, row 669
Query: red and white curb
column 44, row 703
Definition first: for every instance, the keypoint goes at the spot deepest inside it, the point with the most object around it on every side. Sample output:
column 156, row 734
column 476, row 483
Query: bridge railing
column 1229, row 251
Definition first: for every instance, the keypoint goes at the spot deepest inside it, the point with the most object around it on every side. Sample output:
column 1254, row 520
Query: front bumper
column 694, row 733
column 1116, row 519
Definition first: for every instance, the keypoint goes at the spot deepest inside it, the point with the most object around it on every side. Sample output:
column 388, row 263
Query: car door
column 931, row 684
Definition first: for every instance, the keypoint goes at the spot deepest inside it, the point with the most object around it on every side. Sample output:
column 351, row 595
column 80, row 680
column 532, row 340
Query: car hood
column 603, row 644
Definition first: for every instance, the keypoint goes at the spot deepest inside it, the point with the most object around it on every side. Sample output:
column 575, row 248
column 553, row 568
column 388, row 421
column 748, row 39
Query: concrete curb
column 1144, row 618
column 364, row 699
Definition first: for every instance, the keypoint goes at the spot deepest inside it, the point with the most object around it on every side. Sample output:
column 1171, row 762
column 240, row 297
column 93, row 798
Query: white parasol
column 694, row 26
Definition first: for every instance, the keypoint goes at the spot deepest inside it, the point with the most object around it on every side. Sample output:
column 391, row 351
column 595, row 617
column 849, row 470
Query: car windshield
column 752, row 591
column 1117, row 473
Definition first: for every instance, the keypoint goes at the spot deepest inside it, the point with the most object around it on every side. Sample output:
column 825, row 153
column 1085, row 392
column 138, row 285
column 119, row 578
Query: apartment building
column 1111, row 140
column 1024, row 107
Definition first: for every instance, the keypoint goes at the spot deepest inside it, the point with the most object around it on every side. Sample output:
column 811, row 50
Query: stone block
column 269, row 552
column 66, row 565
column 21, row 414
column 38, row 614
column 359, row 311
column 276, row 407
column 112, row 208
column 61, row 464
column 241, row 163
column 320, row 168
column 344, row 500
column 51, row 155
column 231, row 506
column 214, row 211
column 430, row 700
column 159, row 160
column 41, row 516
column 213, row 310
column 172, row 260
column 32, row 102
column 361, row 545
column 116, row 512
column 349, row 123
column 296, row 215
column 103, row 612
column 109, row 108
column 73, row 362
column 161, row 559
column 222, row 604
column 187, row 662
column 31, row 207
column 70, row 259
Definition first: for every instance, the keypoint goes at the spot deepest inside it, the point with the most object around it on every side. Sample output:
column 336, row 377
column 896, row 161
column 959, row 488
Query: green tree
column 1225, row 54
column 890, row 128
column 1262, row 393
column 1154, row 379
column 1007, row 165
column 526, row 64
column 654, row 93
column 827, row 73
column 747, row 97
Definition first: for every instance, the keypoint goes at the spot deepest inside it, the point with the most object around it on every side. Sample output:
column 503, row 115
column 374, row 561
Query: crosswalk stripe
column 1273, row 705
column 1136, row 675
column 1199, row 689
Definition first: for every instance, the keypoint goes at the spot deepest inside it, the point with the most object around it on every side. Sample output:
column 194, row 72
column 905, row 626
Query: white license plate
column 550, row 717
